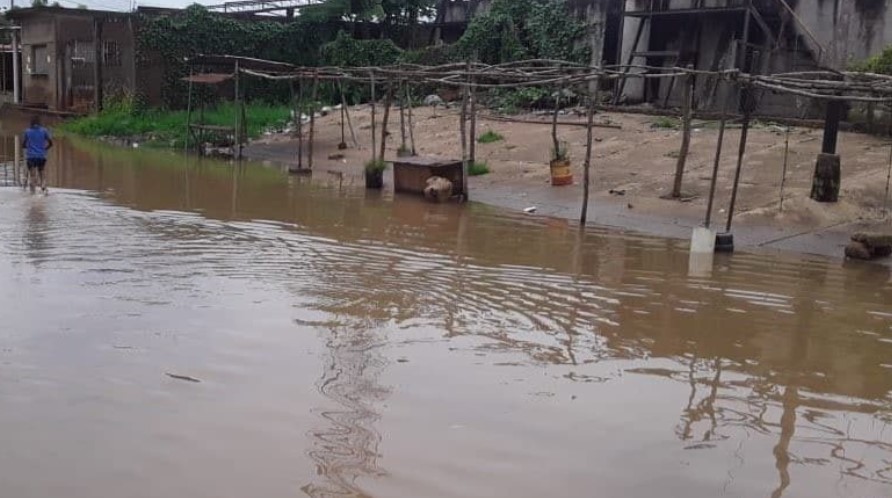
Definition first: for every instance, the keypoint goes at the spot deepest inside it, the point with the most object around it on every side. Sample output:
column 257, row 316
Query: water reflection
column 346, row 448
column 37, row 226
column 783, row 362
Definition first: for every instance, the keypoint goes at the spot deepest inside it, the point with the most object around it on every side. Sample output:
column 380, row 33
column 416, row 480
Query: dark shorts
column 38, row 163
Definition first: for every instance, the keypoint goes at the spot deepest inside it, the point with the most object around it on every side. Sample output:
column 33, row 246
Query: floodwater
column 350, row 344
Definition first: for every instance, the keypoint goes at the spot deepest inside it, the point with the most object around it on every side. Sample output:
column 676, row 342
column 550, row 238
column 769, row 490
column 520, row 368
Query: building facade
column 65, row 52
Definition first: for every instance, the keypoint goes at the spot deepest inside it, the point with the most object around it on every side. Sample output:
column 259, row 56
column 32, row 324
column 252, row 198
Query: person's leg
column 41, row 175
column 32, row 175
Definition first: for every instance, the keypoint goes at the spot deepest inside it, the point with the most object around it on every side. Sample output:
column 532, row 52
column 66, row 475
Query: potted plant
column 374, row 173
column 561, row 174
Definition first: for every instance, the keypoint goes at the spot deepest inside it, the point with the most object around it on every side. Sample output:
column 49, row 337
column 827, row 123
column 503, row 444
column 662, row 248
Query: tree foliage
column 522, row 29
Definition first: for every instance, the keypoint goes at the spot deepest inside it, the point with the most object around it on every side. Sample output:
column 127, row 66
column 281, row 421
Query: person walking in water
column 37, row 140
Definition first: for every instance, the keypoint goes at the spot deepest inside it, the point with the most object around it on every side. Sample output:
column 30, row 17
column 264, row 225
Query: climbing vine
column 167, row 41
column 522, row 29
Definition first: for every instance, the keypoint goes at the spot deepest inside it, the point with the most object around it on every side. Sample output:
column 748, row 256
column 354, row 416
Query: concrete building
column 64, row 52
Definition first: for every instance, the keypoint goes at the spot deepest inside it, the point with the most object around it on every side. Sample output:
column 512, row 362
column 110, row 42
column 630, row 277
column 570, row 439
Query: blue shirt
column 36, row 138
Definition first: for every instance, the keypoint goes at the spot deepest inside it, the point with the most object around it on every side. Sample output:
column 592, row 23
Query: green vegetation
column 490, row 137
column 477, row 169
column 665, row 123
column 168, row 128
column 880, row 63
column 561, row 152
column 375, row 166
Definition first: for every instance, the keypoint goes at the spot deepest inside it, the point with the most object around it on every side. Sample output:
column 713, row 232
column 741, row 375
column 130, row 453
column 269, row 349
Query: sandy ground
column 639, row 160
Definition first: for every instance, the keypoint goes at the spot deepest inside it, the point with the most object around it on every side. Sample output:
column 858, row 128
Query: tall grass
column 164, row 127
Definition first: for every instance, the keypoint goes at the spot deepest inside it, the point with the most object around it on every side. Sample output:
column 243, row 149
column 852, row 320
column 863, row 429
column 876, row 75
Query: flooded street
column 352, row 344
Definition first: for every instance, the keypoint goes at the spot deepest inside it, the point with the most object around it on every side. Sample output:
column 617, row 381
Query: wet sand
column 351, row 343
column 640, row 160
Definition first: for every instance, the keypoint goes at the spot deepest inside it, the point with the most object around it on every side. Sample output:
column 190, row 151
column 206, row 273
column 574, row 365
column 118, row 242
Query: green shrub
column 477, row 169
column 665, row 123
column 490, row 137
column 375, row 166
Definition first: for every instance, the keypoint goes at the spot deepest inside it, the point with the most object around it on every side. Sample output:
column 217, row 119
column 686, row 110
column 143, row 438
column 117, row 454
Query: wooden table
column 410, row 174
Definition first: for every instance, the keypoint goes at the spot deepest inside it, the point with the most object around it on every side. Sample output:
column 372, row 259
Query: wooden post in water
column 313, row 97
column 590, row 116
column 685, row 134
column 388, row 100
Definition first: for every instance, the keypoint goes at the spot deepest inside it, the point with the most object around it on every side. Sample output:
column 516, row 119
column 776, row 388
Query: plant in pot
column 374, row 173
column 561, row 174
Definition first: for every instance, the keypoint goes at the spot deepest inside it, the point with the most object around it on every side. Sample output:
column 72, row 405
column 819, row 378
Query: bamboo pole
column 590, row 116
column 310, row 142
column 685, row 136
column 388, row 100
column 411, row 123
column 374, row 139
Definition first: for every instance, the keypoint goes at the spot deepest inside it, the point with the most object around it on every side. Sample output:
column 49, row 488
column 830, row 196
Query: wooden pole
column 464, row 137
column 402, row 100
column 588, row 158
column 236, row 139
column 784, row 170
column 715, row 166
column 343, row 143
column 554, row 120
column 347, row 114
column 97, row 64
column 374, row 139
column 472, row 134
column 310, row 143
column 888, row 184
column 300, row 124
column 411, row 123
column 740, row 153
column 685, row 135
column 388, row 100
column 188, row 113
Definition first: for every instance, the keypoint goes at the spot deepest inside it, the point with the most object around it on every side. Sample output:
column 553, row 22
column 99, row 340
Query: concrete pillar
column 633, row 91
column 16, row 69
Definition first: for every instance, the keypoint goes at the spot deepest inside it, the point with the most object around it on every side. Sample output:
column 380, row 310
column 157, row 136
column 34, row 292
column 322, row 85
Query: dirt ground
column 638, row 160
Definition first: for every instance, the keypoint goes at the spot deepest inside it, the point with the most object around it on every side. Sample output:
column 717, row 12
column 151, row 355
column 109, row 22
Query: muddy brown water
column 356, row 344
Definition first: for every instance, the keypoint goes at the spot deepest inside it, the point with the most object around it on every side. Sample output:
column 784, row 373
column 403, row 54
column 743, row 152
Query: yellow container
column 561, row 174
